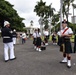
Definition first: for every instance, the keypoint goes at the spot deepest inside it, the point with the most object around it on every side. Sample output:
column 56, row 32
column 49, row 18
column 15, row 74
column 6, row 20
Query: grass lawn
column 72, row 38
column 50, row 38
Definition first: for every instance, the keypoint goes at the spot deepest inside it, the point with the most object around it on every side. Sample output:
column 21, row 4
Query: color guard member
column 14, row 34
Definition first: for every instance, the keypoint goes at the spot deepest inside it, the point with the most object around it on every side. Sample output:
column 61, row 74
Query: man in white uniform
column 14, row 34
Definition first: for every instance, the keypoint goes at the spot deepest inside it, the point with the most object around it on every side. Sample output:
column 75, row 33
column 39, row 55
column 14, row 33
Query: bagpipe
column 61, row 44
column 60, row 40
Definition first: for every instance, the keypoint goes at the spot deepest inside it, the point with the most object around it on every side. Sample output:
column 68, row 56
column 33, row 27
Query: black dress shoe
column 68, row 66
column 63, row 62
column 13, row 58
column 6, row 60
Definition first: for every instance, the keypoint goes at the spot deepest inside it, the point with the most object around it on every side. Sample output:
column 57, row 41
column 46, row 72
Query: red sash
column 62, row 46
column 65, row 30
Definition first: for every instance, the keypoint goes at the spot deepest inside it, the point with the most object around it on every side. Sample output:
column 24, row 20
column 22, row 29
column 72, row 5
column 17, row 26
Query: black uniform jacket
column 6, row 35
column 14, row 34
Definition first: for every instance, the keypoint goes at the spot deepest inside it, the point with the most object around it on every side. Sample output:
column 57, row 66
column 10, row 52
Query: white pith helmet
column 6, row 23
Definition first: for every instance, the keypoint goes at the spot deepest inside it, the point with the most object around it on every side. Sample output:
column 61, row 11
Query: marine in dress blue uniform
column 6, row 33
column 14, row 34
column 65, row 45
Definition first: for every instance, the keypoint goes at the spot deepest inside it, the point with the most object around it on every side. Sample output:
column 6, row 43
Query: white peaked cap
column 14, row 30
column 6, row 23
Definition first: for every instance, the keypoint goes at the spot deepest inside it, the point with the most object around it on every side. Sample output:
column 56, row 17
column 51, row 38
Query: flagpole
column 61, row 4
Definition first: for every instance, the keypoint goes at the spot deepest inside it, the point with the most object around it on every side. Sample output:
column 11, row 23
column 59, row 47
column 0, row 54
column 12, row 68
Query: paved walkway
column 30, row 62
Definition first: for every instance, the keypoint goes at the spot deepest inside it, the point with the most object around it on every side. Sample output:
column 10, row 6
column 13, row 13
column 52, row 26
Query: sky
column 25, row 9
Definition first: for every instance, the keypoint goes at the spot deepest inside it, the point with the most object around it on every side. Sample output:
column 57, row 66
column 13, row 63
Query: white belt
column 6, row 37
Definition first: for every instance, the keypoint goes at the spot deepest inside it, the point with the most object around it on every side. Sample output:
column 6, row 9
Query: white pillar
column 41, row 25
column 61, row 4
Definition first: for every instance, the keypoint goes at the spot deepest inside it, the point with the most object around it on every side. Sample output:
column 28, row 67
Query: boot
column 34, row 47
column 39, row 50
column 69, row 63
column 64, row 60
column 46, row 44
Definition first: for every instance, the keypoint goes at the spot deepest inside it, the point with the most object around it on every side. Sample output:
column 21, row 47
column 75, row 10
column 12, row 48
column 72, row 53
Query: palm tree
column 66, row 5
column 39, row 8
column 44, row 12
column 51, row 11
column 55, row 20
